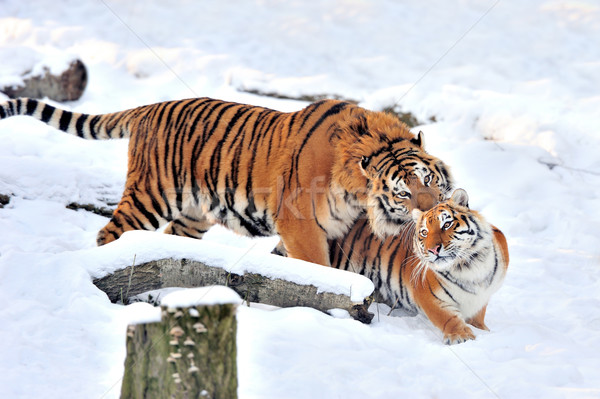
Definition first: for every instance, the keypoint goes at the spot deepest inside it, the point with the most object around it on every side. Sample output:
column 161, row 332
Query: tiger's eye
column 427, row 179
column 447, row 225
column 423, row 233
column 404, row 194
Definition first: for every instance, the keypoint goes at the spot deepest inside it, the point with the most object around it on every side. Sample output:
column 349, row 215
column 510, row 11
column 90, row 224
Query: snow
column 203, row 296
column 27, row 62
column 514, row 89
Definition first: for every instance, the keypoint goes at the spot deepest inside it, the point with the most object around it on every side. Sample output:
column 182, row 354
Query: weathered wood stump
column 190, row 353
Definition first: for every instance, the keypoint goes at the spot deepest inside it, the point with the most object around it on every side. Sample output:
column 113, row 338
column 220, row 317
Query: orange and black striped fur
column 446, row 264
column 304, row 175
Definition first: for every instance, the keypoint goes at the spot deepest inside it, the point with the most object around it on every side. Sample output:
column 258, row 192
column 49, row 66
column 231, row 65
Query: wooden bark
column 191, row 353
column 134, row 280
column 98, row 210
column 303, row 97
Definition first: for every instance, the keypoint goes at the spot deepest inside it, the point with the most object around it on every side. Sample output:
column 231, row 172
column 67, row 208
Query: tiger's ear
column 419, row 141
column 364, row 163
column 460, row 197
column 416, row 214
column 359, row 126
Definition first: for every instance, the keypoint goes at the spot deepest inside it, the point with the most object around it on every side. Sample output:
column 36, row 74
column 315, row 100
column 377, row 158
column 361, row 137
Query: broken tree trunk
column 190, row 353
column 252, row 287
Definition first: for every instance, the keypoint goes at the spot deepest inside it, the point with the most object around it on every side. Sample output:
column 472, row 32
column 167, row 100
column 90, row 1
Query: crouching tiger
column 447, row 264
column 304, row 175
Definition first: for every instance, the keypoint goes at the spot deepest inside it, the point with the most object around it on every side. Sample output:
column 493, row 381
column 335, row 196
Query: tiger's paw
column 280, row 249
column 458, row 336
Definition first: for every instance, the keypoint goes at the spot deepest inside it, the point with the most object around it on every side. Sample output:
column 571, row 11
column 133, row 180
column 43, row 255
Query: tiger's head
column 389, row 171
column 450, row 235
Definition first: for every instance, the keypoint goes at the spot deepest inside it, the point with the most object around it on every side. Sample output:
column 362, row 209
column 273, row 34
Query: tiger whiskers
column 407, row 232
column 462, row 255
column 420, row 269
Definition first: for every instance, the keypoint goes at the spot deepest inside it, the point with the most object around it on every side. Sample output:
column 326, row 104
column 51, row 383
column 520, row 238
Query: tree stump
column 190, row 353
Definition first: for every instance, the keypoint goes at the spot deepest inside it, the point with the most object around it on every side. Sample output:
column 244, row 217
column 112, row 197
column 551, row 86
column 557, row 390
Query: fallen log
column 68, row 85
column 105, row 211
column 252, row 287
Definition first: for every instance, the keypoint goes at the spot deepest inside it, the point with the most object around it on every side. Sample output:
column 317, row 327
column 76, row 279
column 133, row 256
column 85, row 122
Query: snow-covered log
column 165, row 261
column 253, row 287
column 190, row 353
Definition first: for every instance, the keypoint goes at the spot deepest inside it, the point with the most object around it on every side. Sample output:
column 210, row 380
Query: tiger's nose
column 435, row 250
column 426, row 201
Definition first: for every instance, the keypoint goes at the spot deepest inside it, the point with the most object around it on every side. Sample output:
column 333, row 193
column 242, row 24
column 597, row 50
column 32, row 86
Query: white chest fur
column 469, row 288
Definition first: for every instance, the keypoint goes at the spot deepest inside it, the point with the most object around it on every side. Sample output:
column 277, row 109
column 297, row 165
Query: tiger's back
column 310, row 173
column 202, row 161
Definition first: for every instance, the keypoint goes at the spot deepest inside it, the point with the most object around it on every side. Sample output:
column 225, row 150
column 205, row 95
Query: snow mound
column 203, row 296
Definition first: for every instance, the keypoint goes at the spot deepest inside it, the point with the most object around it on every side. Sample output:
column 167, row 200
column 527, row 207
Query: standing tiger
column 304, row 175
column 447, row 265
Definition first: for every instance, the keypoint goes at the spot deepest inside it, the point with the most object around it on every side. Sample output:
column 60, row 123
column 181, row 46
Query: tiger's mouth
column 439, row 262
column 441, row 259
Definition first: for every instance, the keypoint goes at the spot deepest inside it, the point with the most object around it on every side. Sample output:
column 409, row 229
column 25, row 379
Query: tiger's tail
column 91, row 127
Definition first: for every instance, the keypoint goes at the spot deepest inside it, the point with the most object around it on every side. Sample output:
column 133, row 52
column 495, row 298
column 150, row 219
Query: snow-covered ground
column 514, row 87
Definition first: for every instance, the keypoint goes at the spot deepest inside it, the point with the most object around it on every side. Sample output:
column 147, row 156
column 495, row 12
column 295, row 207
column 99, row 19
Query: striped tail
column 91, row 127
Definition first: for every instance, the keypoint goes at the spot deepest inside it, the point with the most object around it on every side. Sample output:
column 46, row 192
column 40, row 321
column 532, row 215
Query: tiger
column 305, row 175
column 446, row 264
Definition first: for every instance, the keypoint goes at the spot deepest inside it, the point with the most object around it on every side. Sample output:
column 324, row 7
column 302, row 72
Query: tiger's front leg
column 441, row 313
column 304, row 239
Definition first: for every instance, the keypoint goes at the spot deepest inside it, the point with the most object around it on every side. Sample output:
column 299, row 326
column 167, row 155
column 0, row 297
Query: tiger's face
column 401, row 177
column 448, row 235
column 386, row 168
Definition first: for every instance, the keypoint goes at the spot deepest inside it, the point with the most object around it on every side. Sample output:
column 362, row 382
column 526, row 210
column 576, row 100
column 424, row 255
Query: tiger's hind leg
column 477, row 320
column 131, row 214
column 189, row 226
